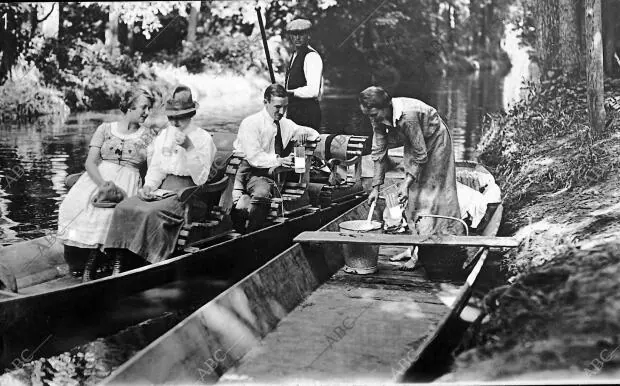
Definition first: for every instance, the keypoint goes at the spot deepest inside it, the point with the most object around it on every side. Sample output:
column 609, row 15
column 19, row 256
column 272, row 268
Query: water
column 35, row 158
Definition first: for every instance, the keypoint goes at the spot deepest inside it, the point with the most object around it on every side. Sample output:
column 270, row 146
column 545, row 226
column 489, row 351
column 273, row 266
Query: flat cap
column 298, row 26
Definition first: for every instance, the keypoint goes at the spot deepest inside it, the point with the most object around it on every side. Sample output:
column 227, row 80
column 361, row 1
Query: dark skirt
column 149, row 229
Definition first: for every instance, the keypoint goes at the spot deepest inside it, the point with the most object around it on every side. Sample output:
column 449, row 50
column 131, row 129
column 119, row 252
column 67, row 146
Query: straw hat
column 181, row 103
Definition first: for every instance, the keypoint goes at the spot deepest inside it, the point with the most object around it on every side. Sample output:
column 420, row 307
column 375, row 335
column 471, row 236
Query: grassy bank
column 558, row 317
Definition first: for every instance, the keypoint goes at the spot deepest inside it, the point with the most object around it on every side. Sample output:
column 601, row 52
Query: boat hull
column 300, row 318
column 26, row 321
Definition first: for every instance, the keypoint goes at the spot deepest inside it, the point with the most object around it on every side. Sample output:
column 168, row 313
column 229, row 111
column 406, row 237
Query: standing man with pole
column 304, row 77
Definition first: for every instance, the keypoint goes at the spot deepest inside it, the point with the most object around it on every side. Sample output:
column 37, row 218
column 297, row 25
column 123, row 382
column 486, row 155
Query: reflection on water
column 46, row 154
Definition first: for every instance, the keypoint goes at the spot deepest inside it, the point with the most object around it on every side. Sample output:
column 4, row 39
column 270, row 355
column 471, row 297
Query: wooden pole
column 594, row 66
column 265, row 46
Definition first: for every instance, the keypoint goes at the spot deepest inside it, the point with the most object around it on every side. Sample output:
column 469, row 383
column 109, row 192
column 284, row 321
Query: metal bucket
column 360, row 259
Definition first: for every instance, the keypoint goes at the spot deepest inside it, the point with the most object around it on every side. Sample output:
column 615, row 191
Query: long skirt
column 82, row 225
column 149, row 229
column 436, row 194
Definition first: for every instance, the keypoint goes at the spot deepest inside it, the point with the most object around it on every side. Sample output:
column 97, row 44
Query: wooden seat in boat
column 207, row 210
column 339, row 151
column 292, row 196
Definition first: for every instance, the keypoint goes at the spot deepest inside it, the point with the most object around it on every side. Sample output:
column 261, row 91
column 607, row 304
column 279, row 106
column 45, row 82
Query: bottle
column 300, row 159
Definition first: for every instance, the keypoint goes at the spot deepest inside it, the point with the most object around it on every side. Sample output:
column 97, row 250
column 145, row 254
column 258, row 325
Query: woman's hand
column 403, row 189
column 374, row 195
column 146, row 192
column 180, row 137
column 403, row 194
column 183, row 140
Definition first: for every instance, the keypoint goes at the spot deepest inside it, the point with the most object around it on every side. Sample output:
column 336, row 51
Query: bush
column 26, row 98
column 214, row 53
column 545, row 144
column 90, row 79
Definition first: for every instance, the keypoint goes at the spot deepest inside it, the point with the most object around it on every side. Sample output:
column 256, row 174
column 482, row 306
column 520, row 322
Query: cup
column 300, row 159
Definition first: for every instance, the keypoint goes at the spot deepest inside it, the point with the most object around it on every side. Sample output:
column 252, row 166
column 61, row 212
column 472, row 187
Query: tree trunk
column 569, row 52
column 34, row 10
column 130, row 37
column 111, row 33
column 61, row 51
column 61, row 18
column 192, row 22
column 610, row 36
column 547, row 34
column 594, row 44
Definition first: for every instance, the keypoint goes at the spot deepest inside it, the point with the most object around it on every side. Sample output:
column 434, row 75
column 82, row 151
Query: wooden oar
column 406, row 240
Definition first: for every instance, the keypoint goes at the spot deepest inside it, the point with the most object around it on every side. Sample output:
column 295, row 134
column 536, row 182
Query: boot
column 118, row 263
column 91, row 266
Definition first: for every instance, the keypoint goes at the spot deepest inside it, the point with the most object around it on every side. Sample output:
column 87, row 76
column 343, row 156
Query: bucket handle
column 448, row 218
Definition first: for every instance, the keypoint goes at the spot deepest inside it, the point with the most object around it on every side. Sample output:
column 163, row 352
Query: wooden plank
column 7, row 294
column 406, row 240
column 333, row 336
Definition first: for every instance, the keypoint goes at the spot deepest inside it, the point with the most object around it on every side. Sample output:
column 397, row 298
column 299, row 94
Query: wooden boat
column 300, row 317
column 50, row 298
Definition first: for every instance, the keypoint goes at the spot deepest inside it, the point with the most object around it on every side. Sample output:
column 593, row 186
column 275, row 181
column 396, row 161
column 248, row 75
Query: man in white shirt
column 262, row 141
column 304, row 77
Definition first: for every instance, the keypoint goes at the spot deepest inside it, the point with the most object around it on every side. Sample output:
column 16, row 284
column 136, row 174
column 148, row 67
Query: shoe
column 91, row 266
column 118, row 263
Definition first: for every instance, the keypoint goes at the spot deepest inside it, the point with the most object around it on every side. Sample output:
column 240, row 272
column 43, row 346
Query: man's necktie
column 278, row 144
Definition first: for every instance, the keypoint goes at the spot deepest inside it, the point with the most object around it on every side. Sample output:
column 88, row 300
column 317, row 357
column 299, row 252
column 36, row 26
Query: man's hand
column 146, row 192
column 287, row 162
column 374, row 195
column 301, row 138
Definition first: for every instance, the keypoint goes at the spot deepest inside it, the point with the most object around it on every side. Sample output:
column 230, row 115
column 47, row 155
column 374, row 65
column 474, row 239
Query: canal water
column 35, row 158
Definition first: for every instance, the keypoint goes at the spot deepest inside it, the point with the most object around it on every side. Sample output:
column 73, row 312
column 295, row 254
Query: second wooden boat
column 300, row 317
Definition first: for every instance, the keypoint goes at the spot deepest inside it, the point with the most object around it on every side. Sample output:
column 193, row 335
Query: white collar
column 267, row 117
column 397, row 110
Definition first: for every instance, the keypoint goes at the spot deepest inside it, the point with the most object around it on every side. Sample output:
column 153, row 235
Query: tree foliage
column 360, row 40
column 14, row 35
column 145, row 13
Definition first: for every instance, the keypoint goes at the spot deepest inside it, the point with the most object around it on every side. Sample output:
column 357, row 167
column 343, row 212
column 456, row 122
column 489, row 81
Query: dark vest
column 295, row 76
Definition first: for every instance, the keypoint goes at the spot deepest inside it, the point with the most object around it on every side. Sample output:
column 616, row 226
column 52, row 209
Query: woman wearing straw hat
column 182, row 157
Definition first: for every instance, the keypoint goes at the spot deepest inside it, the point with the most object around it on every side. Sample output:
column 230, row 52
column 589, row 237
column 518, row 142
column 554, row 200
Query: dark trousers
column 305, row 112
column 252, row 194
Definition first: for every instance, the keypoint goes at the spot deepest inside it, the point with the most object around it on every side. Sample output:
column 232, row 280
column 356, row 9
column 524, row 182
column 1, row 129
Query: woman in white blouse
column 182, row 155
